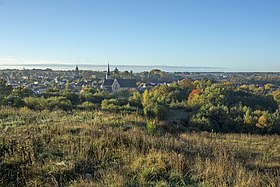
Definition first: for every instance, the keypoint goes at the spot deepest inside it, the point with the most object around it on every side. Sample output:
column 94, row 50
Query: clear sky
column 241, row 35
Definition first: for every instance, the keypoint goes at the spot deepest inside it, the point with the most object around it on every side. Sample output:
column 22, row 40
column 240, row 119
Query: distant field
column 101, row 149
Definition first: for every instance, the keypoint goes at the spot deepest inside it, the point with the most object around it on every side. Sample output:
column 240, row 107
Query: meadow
column 101, row 148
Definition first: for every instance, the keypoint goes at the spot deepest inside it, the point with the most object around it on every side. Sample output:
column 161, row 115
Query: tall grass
column 95, row 148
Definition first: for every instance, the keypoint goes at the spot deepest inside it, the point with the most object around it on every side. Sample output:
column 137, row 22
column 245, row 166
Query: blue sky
column 241, row 35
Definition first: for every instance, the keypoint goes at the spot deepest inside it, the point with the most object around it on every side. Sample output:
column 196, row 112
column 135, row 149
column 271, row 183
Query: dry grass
column 108, row 149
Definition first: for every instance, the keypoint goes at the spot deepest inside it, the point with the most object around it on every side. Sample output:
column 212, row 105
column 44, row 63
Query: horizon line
column 120, row 65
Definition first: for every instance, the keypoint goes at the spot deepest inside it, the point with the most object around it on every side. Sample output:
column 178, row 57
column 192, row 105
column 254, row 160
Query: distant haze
column 136, row 68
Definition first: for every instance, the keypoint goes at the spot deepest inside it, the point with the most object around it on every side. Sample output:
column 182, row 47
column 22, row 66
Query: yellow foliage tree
column 262, row 121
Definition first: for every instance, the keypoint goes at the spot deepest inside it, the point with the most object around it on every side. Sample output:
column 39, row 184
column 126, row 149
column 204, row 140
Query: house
column 113, row 85
column 107, row 84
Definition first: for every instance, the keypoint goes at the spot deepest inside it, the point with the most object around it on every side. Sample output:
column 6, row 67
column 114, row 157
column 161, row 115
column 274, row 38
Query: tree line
column 204, row 105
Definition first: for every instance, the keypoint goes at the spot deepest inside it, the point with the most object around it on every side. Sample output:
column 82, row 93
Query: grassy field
column 98, row 148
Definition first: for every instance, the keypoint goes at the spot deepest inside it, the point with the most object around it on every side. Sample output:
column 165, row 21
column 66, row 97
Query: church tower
column 77, row 74
column 77, row 71
column 108, row 74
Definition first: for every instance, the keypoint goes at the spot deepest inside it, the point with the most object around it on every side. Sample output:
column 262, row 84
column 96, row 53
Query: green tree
column 71, row 96
column 4, row 88
column 59, row 102
column 248, row 119
column 14, row 101
column 22, row 92
column 67, row 86
column 36, row 103
column 122, row 94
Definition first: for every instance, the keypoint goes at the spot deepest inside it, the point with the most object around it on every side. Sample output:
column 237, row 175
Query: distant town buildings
column 39, row 80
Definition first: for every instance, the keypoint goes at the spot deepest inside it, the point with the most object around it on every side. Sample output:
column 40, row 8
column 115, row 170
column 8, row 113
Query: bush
column 88, row 106
column 111, row 105
column 40, row 103
column 150, row 126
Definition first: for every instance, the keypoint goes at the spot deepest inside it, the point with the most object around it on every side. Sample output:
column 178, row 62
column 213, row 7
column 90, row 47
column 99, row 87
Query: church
column 113, row 85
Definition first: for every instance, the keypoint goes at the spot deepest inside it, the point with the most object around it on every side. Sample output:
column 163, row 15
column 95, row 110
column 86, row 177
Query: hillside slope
column 101, row 149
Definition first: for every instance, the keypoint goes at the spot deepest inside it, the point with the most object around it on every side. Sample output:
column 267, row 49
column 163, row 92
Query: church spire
column 108, row 74
column 77, row 70
column 108, row 71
